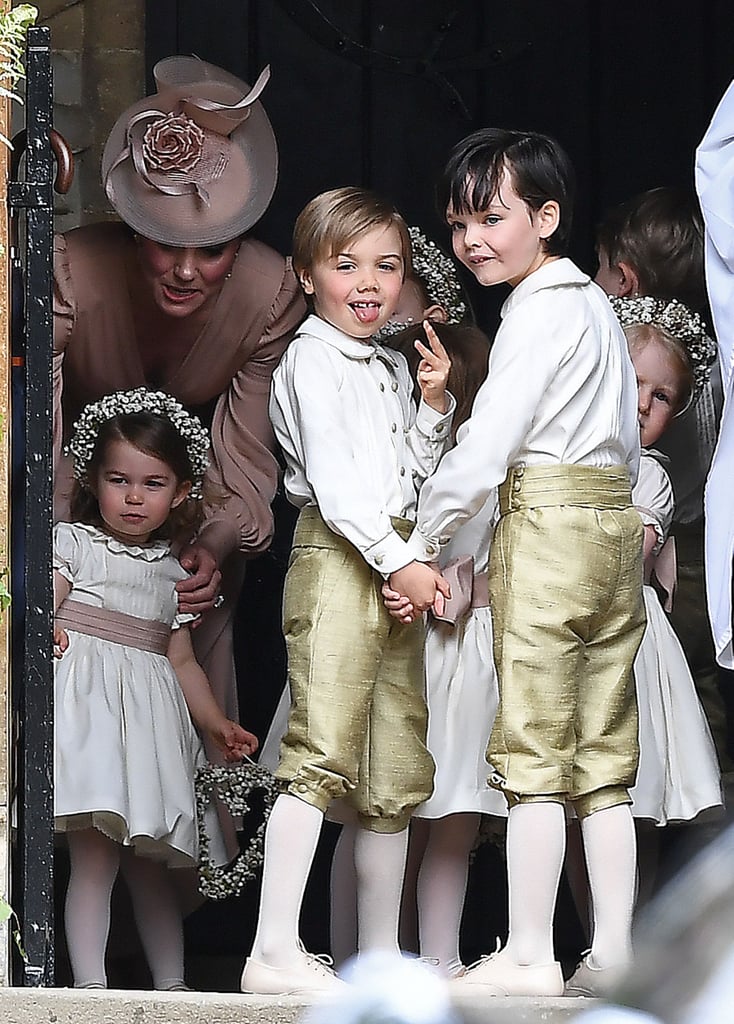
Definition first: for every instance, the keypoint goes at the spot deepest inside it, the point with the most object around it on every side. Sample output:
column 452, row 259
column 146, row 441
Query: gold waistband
column 585, row 486
column 117, row 627
column 311, row 530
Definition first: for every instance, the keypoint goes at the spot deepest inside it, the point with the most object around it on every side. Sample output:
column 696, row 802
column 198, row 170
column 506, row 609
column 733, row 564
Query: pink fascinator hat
column 196, row 163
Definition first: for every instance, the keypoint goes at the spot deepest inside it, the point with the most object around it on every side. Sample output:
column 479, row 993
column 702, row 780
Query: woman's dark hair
column 468, row 348
column 539, row 167
column 155, row 435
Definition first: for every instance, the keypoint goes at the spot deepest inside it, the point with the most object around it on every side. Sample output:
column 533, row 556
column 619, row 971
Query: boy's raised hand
column 433, row 369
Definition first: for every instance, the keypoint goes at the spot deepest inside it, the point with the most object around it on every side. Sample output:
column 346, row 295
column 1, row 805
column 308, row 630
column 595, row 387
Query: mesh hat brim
column 236, row 200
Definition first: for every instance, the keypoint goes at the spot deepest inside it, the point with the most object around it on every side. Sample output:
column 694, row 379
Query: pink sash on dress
column 117, row 627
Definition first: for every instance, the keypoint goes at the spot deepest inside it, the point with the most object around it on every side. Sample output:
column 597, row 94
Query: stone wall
column 99, row 69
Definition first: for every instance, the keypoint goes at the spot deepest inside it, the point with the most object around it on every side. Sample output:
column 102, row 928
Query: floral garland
column 232, row 784
column 676, row 319
column 124, row 403
column 438, row 276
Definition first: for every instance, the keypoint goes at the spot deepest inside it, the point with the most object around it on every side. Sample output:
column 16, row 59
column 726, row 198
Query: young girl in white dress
column 127, row 684
column 678, row 775
column 462, row 697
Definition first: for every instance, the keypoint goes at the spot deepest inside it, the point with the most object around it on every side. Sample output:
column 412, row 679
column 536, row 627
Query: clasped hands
column 414, row 589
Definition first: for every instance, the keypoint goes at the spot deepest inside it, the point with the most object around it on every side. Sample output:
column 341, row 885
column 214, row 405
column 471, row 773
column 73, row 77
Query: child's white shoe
column 588, row 980
column 500, row 976
column 312, row 975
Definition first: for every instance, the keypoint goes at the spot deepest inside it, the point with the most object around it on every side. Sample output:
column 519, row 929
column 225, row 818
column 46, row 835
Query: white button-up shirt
column 715, row 187
column 354, row 444
column 561, row 388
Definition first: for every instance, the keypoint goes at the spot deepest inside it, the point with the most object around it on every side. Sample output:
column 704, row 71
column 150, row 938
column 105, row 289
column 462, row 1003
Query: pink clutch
column 459, row 573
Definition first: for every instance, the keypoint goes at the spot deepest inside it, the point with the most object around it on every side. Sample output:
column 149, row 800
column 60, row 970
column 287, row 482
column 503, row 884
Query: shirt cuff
column 435, row 424
column 421, row 548
column 390, row 554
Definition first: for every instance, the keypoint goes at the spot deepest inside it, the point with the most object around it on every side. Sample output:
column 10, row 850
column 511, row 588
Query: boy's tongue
column 366, row 314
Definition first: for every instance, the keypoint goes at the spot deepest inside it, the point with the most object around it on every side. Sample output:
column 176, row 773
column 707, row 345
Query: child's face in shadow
column 504, row 243
column 414, row 306
column 659, row 387
column 357, row 290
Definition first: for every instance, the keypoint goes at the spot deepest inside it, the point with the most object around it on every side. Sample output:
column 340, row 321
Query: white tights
column 440, row 849
column 536, row 844
column 291, row 837
column 611, row 860
column 441, row 887
column 366, row 885
column 536, row 839
column 95, row 861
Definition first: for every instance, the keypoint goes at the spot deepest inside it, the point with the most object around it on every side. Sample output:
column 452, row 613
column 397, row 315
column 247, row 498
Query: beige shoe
column 588, row 980
column 500, row 976
column 313, row 975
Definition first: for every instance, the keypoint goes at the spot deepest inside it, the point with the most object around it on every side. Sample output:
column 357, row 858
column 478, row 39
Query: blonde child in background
column 652, row 245
column 126, row 681
column 678, row 775
column 356, row 450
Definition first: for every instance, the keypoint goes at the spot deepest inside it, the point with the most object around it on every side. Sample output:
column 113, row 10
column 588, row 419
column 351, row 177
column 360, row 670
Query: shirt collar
column 349, row 347
column 557, row 273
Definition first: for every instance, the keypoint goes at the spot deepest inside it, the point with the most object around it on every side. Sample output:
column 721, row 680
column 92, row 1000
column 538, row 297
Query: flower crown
column 676, row 319
column 124, row 403
column 438, row 275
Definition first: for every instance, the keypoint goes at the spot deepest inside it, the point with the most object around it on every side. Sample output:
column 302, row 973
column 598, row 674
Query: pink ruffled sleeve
column 243, row 464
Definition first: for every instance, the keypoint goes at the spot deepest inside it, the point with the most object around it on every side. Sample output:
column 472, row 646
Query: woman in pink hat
column 180, row 298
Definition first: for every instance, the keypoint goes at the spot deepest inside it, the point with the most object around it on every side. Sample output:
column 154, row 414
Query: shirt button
column 382, row 386
column 394, row 385
column 431, row 550
column 302, row 788
column 402, row 470
column 394, row 428
column 517, row 486
column 379, row 559
column 439, row 428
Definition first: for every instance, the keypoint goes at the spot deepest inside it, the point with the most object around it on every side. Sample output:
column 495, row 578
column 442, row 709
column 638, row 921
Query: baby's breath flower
column 232, row 784
column 438, row 275
column 123, row 403
column 679, row 321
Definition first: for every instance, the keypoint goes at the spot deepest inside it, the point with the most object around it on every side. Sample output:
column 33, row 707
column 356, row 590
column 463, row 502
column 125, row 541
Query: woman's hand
column 198, row 593
column 433, row 369
column 399, row 607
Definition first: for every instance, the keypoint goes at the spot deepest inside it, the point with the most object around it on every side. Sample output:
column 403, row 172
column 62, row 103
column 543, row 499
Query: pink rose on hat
column 173, row 143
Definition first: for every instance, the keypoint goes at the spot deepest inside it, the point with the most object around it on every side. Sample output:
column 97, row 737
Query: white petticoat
column 462, row 698
column 678, row 775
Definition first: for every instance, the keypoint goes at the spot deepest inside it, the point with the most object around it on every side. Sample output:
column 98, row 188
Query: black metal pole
column 35, row 761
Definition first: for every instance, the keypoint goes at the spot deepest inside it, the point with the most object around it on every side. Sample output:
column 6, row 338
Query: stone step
column 71, row 1006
